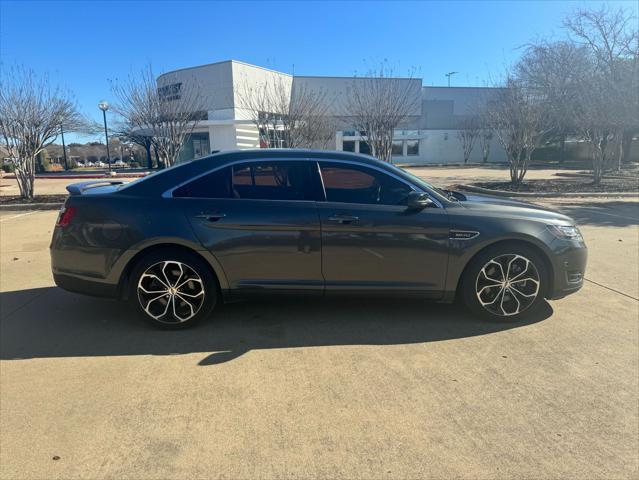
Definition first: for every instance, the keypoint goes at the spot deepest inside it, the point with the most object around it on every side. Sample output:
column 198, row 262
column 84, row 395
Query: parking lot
column 346, row 389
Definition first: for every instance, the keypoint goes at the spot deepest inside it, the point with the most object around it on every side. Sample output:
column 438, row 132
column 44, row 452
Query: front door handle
column 343, row 219
column 211, row 217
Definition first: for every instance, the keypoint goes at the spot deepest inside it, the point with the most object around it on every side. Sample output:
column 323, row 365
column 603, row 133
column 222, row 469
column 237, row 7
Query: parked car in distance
column 234, row 224
column 119, row 163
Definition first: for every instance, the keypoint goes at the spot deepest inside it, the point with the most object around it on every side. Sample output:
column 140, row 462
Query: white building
column 428, row 135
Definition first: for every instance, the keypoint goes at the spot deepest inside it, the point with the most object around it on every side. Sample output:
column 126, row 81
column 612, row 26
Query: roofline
column 340, row 77
column 355, row 77
column 476, row 88
column 219, row 63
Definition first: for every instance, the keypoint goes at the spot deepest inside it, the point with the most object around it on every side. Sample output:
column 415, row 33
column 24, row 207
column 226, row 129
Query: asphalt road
column 349, row 389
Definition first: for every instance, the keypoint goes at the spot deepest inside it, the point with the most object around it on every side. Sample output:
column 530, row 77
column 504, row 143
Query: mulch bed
column 565, row 186
column 16, row 200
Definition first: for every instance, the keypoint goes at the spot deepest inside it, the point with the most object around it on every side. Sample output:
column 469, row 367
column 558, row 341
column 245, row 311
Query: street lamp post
column 104, row 106
column 450, row 74
column 64, row 149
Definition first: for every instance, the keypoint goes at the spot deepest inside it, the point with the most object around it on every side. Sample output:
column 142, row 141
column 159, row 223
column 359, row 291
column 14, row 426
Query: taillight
column 65, row 216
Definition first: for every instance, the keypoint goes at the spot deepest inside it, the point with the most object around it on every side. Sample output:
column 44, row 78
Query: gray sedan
column 265, row 222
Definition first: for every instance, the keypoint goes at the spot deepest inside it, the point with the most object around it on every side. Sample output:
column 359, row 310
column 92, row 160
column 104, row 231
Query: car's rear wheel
column 172, row 289
column 505, row 283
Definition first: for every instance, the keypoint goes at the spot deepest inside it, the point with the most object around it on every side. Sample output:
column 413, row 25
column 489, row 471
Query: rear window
column 213, row 185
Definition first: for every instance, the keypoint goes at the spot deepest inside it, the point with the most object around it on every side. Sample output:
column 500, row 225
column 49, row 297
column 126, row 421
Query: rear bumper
column 86, row 287
column 85, row 270
column 569, row 266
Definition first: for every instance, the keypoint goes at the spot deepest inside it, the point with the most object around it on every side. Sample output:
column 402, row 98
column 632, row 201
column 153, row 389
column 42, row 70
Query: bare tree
column 308, row 122
column 266, row 103
column 129, row 133
column 468, row 135
column 553, row 70
column 288, row 114
column 167, row 115
column 596, row 120
column 378, row 103
column 520, row 123
column 32, row 112
column 611, row 34
column 485, row 141
column 612, row 37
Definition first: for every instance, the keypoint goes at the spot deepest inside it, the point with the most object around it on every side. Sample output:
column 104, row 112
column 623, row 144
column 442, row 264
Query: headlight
column 568, row 232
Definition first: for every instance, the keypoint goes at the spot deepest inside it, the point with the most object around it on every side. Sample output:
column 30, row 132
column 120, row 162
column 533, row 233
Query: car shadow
column 49, row 322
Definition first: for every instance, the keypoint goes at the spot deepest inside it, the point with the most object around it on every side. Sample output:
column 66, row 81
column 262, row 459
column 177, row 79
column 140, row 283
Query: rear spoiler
column 78, row 188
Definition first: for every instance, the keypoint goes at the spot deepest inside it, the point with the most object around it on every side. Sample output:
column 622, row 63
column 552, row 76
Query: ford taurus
column 234, row 224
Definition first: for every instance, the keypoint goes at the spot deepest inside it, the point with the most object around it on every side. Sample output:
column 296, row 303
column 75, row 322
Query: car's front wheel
column 505, row 283
column 172, row 289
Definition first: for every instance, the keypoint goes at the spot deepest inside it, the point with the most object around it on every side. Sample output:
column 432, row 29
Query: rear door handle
column 343, row 219
column 211, row 217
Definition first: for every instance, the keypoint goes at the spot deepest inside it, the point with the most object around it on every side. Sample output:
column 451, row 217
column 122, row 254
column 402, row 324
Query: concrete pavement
column 348, row 389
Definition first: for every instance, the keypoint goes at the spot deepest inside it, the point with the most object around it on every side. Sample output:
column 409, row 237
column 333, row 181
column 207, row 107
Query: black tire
column 181, row 276
column 515, row 303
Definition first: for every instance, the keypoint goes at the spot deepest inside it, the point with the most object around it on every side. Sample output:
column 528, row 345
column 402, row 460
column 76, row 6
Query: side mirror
column 418, row 201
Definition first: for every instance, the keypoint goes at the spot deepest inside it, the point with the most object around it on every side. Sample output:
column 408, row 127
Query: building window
column 364, row 148
column 200, row 145
column 348, row 145
column 412, row 147
column 398, row 148
column 196, row 145
column 406, row 133
column 276, row 140
column 349, row 133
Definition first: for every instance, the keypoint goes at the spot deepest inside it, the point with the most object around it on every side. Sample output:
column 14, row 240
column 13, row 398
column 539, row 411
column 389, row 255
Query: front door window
column 357, row 184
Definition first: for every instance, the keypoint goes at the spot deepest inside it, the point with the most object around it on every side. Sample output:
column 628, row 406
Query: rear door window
column 267, row 180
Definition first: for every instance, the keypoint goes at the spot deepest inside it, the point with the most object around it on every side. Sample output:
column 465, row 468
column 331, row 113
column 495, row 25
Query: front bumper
column 569, row 267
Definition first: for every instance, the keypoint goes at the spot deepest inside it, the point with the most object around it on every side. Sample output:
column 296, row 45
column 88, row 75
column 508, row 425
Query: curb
column 503, row 193
column 588, row 175
column 30, row 206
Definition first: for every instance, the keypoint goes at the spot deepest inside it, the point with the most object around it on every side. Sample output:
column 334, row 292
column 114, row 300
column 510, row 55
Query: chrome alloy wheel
column 170, row 292
column 507, row 285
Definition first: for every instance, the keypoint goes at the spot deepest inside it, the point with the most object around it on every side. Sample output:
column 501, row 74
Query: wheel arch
column 205, row 256
column 543, row 254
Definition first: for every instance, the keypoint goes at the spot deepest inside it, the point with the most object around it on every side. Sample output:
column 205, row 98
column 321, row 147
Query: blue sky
column 83, row 44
